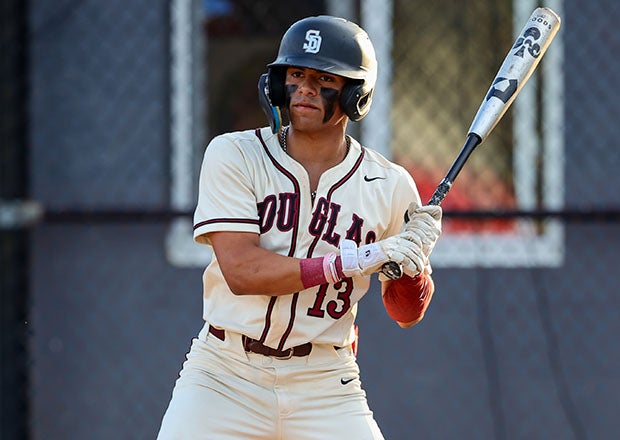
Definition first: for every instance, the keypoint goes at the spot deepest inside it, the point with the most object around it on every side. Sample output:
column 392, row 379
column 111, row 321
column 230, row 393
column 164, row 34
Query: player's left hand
column 404, row 248
column 425, row 223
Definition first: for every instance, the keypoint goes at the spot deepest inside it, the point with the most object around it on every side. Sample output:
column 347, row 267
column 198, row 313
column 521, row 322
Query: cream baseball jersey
column 249, row 184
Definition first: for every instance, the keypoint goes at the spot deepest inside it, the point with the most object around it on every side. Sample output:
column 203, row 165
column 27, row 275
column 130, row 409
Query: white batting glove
column 404, row 248
column 425, row 223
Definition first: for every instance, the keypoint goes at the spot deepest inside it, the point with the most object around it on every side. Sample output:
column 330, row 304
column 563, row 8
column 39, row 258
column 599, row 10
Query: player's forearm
column 291, row 275
column 261, row 272
column 252, row 270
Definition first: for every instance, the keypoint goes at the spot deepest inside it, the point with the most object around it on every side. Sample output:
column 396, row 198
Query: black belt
column 254, row 346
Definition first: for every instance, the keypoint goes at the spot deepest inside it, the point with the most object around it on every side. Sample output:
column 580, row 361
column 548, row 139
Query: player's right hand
column 425, row 223
column 404, row 248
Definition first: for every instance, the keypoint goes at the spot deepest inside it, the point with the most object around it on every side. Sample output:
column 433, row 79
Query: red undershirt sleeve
column 406, row 299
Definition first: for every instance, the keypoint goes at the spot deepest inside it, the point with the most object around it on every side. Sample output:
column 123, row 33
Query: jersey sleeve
column 226, row 197
column 404, row 193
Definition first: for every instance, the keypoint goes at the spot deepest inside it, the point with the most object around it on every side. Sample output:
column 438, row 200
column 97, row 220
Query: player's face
column 313, row 97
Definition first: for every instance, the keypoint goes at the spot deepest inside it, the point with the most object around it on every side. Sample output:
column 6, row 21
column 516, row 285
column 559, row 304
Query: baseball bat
column 518, row 66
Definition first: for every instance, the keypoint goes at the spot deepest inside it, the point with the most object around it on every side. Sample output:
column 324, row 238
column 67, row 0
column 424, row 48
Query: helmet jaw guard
column 274, row 115
column 329, row 44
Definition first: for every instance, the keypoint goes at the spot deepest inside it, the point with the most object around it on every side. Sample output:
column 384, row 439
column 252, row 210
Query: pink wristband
column 320, row 270
column 311, row 270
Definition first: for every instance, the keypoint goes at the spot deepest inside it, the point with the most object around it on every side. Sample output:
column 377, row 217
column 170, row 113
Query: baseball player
column 299, row 217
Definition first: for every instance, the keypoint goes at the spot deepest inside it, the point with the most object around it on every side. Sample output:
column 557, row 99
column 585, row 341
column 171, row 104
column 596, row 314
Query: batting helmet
column 329, row 44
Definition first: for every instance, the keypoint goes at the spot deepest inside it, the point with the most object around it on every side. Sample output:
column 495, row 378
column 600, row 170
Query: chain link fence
column 122, row 98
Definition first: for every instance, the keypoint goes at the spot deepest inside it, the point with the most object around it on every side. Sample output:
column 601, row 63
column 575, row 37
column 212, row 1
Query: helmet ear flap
column 277, row 89
column 355, row 100
column 272, row 97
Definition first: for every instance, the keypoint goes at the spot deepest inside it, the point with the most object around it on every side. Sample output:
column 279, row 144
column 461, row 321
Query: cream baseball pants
column 225, row 393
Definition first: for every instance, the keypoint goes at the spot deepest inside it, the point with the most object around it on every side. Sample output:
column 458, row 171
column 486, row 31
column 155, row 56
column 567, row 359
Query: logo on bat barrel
column 527, row 42
column 503, row 89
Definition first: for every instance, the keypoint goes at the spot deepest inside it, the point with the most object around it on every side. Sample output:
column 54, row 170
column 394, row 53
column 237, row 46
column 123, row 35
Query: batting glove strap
column 360, row 261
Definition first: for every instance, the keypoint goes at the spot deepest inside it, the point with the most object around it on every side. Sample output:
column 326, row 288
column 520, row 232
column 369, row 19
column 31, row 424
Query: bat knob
column 392, row 270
